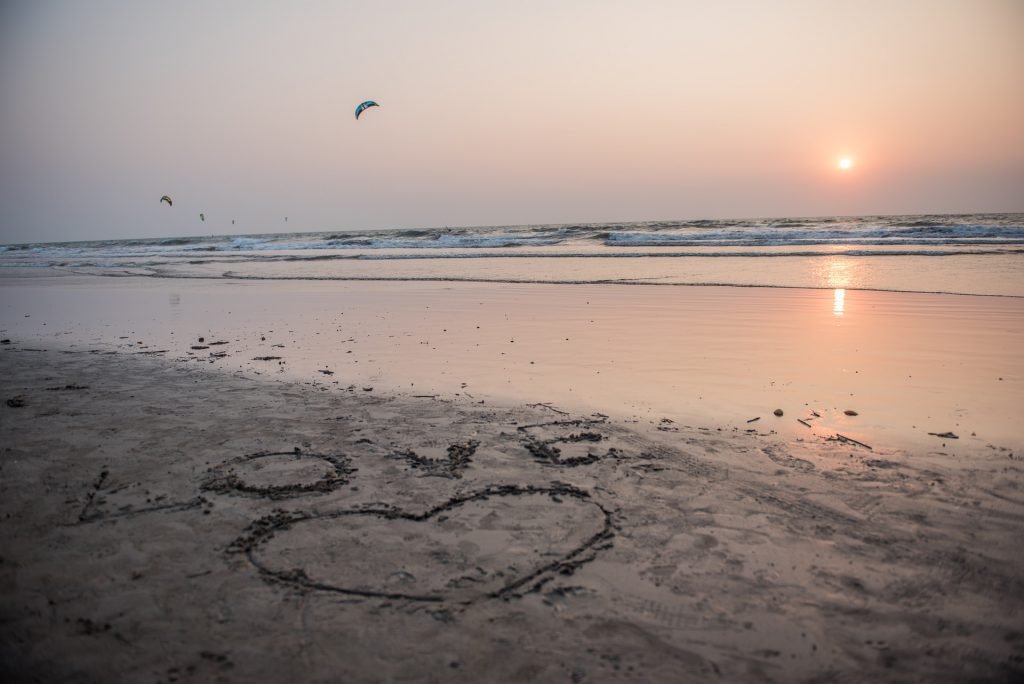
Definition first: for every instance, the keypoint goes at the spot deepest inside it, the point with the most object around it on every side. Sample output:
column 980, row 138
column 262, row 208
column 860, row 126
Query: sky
column 500, row 113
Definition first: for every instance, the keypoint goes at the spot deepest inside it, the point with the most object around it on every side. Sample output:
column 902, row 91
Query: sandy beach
column 491, row 342
column 176, row 509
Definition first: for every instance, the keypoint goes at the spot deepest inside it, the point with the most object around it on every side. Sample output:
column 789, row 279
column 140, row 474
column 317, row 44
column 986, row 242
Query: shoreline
column 164, row 521
column 976, row 273
column 28, row 273
column 609, row 283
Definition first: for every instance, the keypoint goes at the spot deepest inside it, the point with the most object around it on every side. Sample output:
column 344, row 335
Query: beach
column 235, row 480
column 907, row 363
column 560, row 343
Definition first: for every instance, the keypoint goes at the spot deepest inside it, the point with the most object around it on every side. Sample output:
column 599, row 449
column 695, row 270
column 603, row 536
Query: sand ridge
column 169, row 522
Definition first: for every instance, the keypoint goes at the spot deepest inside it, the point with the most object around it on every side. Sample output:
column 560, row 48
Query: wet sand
column 908, row 364
column 170, row 517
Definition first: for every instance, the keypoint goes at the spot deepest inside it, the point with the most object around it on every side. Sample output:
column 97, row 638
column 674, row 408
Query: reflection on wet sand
column 838, row 273
column 909, row 364
column 838, row 301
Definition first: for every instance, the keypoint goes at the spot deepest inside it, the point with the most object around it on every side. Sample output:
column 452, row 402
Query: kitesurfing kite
column 365, row 105
column 167, row 199
column 202, row 216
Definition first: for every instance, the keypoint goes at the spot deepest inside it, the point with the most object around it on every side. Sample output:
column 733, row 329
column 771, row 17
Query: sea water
column 981, row 254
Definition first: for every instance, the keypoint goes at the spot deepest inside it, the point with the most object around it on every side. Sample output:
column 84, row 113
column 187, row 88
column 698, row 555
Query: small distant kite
column 202, row 216
column 167, row 199
column 365, row 105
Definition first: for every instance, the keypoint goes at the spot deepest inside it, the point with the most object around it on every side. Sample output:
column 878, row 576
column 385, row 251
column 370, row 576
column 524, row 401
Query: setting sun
column 845, row 164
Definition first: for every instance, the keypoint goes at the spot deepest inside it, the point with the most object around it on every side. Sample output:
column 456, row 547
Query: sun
column 845, row 164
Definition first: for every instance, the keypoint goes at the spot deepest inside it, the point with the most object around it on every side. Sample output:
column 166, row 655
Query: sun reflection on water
column 838, row 273
column 838, row 301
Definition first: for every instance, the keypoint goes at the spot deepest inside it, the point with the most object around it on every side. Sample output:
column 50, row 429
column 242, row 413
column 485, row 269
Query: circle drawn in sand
column 279, row 474
column 498, row 542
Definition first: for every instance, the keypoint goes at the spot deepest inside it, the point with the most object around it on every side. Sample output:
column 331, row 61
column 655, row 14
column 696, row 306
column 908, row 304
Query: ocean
column 980, row 254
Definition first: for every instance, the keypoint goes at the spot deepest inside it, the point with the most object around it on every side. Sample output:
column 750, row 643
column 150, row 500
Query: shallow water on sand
column 962, row 273
column 907, row 364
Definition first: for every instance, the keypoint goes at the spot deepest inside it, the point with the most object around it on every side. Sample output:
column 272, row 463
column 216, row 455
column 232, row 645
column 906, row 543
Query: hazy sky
column 498, row 112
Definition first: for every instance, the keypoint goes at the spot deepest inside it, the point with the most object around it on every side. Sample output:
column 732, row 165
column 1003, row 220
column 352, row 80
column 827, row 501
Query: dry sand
column 168, row 521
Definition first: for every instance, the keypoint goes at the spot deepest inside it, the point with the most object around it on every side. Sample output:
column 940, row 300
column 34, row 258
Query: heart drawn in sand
column 493, row 543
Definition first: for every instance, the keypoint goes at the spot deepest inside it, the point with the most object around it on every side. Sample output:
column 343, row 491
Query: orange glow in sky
column 500, row 113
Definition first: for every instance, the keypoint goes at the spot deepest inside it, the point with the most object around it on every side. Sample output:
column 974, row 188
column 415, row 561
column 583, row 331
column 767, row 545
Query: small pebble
column 778, row 412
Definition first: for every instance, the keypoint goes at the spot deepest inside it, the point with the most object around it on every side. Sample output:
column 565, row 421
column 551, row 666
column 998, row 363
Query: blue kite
column 365, row 105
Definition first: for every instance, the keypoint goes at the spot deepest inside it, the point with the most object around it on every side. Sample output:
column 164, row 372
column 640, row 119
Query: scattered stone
column 850, row 412
column 778, row 412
